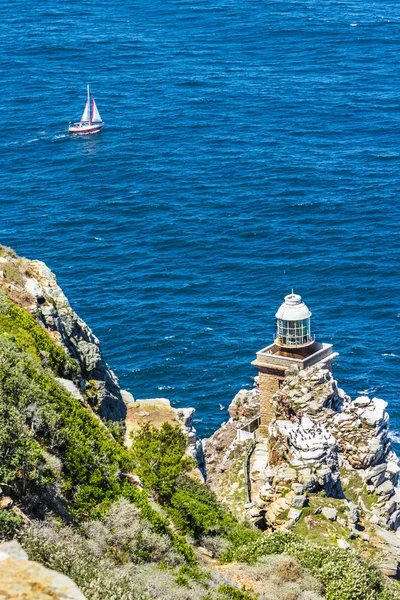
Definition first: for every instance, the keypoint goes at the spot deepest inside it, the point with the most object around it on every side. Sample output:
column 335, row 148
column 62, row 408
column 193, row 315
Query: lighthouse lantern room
column 293, row 323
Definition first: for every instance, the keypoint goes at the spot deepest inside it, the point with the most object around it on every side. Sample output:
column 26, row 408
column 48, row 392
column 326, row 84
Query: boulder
column 70, row 387
column 394, row 521
column 374, row 519
column 343, row 545
column 298, row 488
column 329, row 513
column 373, row 472
column 299, row 501
column 393, row 468
column 128, row 398
column 389, row 537
column 376, row 481
column 13, row 549
column 24, row 579
column 385, row 489
column 294, row 514
column 353, row 513
column 374, row 414
column 33, row 288
column 5, row 502
column 390, row 568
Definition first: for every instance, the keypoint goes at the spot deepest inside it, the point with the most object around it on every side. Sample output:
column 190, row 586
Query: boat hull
column 78, row 129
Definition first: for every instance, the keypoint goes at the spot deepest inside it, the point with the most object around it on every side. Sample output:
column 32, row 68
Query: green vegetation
column 344, row 575
column 10, row 523
column 27, row 335
column 159, row 459
column 36, row 410
column 50, row 445
column 233, row 593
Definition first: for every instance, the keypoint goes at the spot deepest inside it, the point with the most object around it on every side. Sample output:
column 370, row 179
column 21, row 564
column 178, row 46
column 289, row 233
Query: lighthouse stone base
column 274, row 361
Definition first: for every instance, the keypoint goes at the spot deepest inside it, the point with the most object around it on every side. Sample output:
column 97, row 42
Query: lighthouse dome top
column 293, row 309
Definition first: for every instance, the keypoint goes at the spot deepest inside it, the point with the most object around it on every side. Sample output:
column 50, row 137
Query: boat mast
column 88, row 99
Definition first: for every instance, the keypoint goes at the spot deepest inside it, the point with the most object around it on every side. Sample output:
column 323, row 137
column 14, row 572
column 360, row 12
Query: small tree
column 159, row 458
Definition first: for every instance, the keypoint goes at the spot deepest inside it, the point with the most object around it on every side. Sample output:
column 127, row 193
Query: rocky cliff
column 31, row 285
column 328, row 464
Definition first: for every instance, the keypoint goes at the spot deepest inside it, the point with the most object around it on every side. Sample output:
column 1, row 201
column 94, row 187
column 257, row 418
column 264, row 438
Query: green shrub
column 22, row 466
column 261, row 545
column 29, row 336
column 343, row 574
column 10, row 523
column 231, row 593
column 159, row 458
column 196, row 510
column 181, row 545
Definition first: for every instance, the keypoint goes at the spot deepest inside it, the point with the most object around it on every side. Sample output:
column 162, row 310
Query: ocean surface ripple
column 249, row 147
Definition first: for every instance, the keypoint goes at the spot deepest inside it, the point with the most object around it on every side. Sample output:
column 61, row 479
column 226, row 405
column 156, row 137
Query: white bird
column 221, row 407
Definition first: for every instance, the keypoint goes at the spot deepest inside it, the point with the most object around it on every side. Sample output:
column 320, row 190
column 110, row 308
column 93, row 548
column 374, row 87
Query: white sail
column 86, row 112
column 95, row 113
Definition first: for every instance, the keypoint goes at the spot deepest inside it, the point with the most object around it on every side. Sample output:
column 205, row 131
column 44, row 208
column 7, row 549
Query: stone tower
column 294, row 346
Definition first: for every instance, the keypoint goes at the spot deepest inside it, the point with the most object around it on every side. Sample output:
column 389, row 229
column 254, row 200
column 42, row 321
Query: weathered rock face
column 326, row 436
column 35, row 288
column 81, row 343
column 225, row 454
column 245, row 405
column 320, row 441
column 22, row 579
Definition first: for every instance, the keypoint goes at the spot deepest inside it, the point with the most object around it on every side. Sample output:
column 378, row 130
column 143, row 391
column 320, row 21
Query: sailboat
column 90, row 121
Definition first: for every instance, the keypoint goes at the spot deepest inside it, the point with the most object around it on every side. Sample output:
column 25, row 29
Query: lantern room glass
column 294, row 333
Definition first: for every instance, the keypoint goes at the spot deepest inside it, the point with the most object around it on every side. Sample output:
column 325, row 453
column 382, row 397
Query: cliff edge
column 326, row 469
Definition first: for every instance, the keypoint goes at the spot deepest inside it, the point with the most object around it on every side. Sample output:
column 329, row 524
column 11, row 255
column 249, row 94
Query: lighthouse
column 294, row 347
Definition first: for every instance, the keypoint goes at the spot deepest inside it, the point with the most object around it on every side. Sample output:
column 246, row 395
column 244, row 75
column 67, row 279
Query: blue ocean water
column 249, row 147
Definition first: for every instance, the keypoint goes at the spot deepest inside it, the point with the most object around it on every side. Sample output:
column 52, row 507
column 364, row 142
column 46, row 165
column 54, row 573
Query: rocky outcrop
column 56, row 314
column 22, row 579
column 34, row 287
column 329, row 437
column 327, row 457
